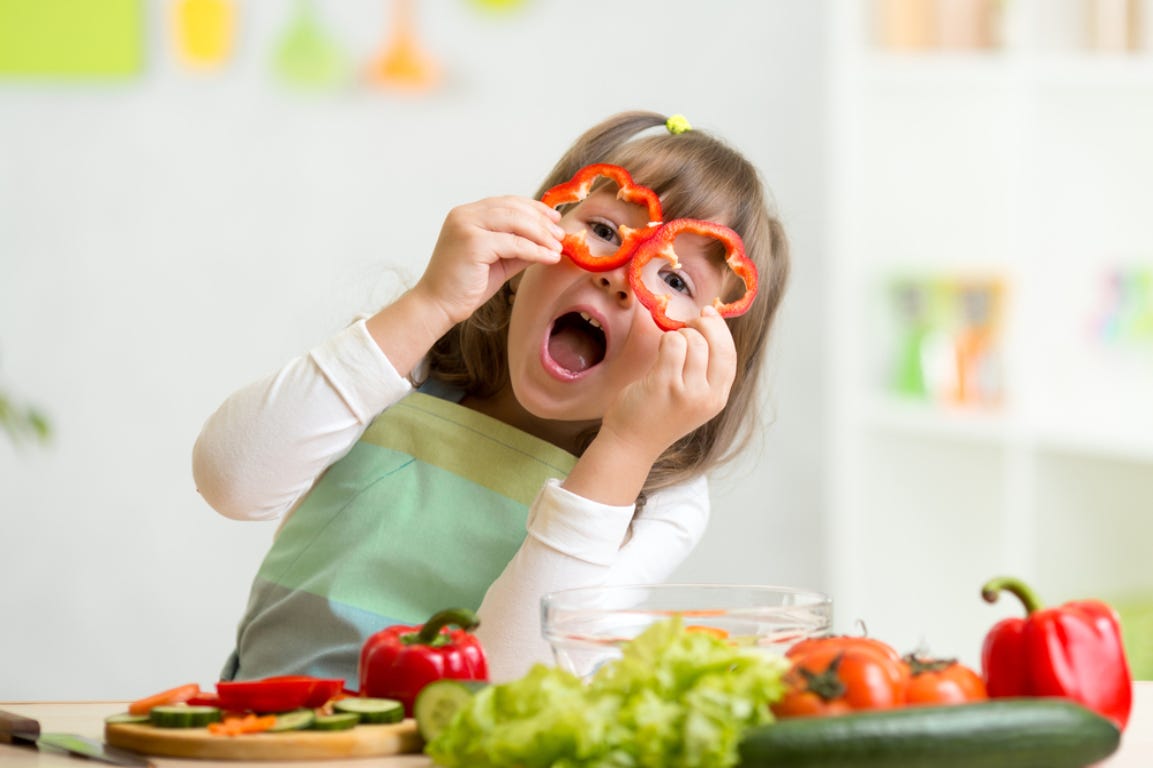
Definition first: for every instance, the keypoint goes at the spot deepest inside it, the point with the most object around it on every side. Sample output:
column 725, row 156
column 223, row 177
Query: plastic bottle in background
column 1113, row 25
column 907, row 25
column 968, row 24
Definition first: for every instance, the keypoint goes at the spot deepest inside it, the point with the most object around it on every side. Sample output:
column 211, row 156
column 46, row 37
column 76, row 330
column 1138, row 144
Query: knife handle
column 14, row 727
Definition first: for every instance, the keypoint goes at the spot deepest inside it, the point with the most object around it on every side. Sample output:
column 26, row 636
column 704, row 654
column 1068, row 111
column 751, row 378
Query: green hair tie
column 678, row 124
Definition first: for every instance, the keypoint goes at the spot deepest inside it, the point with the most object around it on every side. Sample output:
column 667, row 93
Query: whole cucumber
column 1001, row 733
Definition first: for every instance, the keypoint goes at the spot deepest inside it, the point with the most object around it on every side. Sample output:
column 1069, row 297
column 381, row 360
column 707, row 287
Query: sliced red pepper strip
column 661, row 245
column 205, row 699
column 1074, row 651
column 277, row 694
column 578, row 188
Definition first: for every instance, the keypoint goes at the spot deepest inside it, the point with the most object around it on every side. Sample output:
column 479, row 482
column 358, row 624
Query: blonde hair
column 696, row 175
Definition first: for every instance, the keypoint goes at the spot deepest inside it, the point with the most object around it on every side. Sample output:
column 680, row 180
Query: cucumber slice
column 372, row 711
column 439, row 701
column 183, row 716
column 126, row 718
column 341, row 721
column 296, row 720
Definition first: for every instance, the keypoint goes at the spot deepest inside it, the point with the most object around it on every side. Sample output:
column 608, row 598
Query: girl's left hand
column 688, row 384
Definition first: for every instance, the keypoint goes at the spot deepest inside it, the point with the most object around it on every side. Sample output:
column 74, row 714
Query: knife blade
column 24, row 731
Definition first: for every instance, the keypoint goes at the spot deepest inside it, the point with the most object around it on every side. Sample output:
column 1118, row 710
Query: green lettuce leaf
column 676, row 697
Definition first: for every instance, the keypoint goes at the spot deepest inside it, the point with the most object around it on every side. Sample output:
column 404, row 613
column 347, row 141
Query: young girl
column 510, row 426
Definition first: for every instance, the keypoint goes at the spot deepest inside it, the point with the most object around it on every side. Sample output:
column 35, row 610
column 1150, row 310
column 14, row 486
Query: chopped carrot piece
column 238, row 726
column 177, row 695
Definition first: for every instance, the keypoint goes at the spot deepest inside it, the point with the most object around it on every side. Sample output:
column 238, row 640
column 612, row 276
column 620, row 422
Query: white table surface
column 87, row 719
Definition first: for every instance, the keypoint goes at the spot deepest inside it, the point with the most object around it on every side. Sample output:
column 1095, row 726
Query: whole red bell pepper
column 1072, row 651
column 398, row 661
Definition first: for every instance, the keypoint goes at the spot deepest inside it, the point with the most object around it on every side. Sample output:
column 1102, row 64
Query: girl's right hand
column 688, row 384
column 481, row 245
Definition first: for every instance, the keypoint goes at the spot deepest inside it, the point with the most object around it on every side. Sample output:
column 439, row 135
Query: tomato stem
column 919, row 665
column 826, row 684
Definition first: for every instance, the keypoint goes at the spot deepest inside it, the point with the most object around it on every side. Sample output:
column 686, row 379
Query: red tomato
column 842, row 641
column 835, row 675
column 942, row 681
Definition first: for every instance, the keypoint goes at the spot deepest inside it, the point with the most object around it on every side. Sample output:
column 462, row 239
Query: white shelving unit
column 1032, row 162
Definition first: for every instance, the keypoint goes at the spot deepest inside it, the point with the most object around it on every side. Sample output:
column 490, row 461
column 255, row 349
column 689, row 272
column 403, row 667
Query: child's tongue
column 573, row 347
column 571, row 350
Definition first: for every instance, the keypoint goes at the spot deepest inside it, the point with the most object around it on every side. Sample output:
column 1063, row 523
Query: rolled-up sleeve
column 266, row 445
column 573, row 542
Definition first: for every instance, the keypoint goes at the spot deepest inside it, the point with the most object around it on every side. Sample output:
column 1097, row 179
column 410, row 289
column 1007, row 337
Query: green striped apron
column 424, row 513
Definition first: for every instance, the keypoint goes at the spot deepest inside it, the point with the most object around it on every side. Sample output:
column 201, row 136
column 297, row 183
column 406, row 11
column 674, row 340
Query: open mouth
column 577, row 342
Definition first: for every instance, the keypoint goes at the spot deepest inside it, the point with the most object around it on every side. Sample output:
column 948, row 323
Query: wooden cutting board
column 361, row 741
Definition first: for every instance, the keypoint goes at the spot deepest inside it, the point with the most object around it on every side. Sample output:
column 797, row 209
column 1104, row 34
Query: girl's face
column 577, row 338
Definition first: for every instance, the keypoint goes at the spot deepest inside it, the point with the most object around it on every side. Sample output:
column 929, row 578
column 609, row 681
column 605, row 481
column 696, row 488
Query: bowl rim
column 819, row 597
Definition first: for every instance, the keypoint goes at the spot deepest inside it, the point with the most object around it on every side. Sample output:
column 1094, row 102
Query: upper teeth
column 590, row 320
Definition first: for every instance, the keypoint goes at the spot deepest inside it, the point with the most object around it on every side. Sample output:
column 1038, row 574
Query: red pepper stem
column 993, row 588
column 461, row 617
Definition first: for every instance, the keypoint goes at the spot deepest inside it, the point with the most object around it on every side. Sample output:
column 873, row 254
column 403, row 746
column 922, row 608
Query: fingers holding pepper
column 484, row 243
column 721, row 361
column 687, row 384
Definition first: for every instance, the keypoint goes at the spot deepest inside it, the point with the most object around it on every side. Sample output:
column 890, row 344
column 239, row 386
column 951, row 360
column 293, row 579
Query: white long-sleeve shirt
column 262, row 451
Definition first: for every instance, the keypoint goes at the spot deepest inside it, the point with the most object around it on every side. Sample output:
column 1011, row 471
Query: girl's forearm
column 573, row 542
column 610, row 471
column 406, row 329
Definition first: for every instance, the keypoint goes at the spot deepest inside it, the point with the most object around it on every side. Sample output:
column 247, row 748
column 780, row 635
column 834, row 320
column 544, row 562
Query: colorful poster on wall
column 71, row 38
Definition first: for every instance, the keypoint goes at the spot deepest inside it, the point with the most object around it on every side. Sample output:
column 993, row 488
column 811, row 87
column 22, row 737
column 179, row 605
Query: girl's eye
column 677, row 282
column 605, row 231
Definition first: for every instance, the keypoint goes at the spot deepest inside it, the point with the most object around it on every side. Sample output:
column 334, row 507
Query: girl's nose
column 616, row 282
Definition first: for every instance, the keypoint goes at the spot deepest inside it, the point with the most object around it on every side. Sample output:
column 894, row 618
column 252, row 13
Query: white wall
column 167, row 239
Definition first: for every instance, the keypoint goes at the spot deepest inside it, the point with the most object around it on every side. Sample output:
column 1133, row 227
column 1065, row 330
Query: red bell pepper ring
column 1073, row 651
column 398, row 661
column 574, row 244
column 661, row 245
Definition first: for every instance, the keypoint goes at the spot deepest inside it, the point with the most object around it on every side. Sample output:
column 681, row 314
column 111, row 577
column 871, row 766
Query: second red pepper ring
column 673, row 298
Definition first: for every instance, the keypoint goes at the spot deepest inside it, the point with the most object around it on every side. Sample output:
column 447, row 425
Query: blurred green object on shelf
column 1126, row 317
column 70, row 39
column 23, row 423
column 945, row 338
column 912, row 305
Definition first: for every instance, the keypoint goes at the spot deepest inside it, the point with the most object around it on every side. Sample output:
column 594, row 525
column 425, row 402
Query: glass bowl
column 586, row 626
